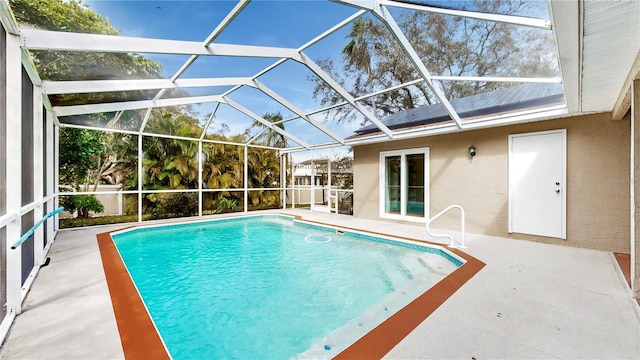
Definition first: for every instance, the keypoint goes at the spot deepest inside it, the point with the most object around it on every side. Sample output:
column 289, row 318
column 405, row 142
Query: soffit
column 611, row 42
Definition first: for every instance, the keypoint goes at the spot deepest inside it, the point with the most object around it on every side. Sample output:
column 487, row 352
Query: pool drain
column 317, row 239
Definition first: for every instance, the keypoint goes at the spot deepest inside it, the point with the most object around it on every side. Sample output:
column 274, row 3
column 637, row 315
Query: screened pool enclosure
column 193, row 108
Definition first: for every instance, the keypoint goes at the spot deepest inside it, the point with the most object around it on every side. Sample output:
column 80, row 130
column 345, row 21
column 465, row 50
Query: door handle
column 557, row 191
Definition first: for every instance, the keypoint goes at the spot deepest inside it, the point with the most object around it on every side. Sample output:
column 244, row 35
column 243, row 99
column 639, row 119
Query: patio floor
column 531, row 300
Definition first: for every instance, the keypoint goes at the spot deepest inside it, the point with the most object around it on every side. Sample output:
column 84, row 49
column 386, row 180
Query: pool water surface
column 271, row 287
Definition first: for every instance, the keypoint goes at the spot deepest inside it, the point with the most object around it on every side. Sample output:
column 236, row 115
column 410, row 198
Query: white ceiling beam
column 269, row 68
column 132, row 105
column 366, row 96
column 397, row 33
column 33, row 39
column 294, row 150
column 209, row 141
column 443, row 78
column 30, row 68
column 508, row 19
column 305, row 46
column 260, row 73
column 256, row 136
column 7, row 19
column 553, row 80
column 566, row 18
column 383, row 14
column 548, row 113
column 308, row 44
column 214, row 34
column 305, row 60
column 226, row 21
column 93, row 86
column 284, row 102
column 46, row 103
column 165, row 136
column 333, row 29
column 145, row 120
column 264, row 122
column 209, row 121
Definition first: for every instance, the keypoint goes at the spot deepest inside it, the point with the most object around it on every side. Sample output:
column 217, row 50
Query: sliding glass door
column 392, row 190
column 404, row 187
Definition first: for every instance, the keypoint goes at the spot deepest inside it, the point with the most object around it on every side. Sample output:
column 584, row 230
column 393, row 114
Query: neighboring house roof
column 314, row 161
column 319, row 164
column 521, row 97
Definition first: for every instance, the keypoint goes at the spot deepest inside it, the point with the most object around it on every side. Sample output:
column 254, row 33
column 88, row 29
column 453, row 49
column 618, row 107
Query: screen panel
column 27, row 139
column 3, row 173
column 27, row 248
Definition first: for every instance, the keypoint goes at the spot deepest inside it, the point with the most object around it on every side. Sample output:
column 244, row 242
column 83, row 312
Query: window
column 404, row 191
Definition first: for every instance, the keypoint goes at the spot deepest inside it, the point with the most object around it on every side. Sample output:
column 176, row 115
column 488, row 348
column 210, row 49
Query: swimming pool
column 268, row 286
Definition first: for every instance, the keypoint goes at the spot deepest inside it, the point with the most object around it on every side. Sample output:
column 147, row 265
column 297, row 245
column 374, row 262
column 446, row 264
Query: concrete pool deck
column 531, row 300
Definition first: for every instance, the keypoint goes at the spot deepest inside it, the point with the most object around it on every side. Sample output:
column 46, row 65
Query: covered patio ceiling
column 597, row 50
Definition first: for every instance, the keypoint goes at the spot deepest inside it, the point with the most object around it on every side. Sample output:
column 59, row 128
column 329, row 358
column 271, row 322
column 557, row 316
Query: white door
column 537, row 191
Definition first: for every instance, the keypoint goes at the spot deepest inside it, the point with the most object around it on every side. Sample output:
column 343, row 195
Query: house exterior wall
column 597, row 179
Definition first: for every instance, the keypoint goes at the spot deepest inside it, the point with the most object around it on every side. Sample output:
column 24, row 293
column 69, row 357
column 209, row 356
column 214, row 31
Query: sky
column 287, row 24
column 284, row 23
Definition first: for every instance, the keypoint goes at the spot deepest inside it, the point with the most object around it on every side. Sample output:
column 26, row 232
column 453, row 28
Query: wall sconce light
column 472, row 151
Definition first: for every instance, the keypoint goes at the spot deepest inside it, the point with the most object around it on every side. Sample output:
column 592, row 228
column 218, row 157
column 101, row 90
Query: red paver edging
column 140, row 339
column 138, row 335
column 624, row 263
column 379, row 341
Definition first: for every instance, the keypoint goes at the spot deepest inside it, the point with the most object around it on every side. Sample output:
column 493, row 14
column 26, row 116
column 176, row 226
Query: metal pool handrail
column 451, row 244
column 26, row 235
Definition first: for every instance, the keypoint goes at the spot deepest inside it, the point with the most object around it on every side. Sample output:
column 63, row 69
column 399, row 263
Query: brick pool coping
column 140, row 340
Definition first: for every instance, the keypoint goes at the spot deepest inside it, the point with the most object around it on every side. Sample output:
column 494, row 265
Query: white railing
column 6, row 219
column 451, row 244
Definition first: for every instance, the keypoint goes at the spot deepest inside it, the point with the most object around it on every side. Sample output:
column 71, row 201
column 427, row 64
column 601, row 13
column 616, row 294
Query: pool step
column 437, row 263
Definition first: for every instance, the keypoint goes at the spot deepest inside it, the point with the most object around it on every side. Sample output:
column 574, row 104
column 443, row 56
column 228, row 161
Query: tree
column 89, row 158
column 171, row 163
column 342, row 172
column 264, row 165
column 373, row 59
column 82, row 203
column 268, row 136
column 86, row 156
column 79, row 150
column 356, row 52
column 76, row 16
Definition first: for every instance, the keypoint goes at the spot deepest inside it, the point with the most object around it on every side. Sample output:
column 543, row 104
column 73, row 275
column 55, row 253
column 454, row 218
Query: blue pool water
column 269, row 287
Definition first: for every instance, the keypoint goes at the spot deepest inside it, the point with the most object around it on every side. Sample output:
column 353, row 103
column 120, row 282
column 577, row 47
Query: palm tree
column 222, row 169
column 264, row 165
column 219, row 171
column 264, row 172
column 171, row 163
column 356, row 52
column 268, row 136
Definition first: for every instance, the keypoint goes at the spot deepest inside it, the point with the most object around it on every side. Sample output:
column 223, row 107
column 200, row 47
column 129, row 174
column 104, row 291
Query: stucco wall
column 597, row 179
